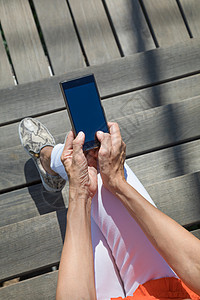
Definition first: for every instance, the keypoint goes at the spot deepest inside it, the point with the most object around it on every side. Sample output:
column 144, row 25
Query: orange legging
column 162, row 289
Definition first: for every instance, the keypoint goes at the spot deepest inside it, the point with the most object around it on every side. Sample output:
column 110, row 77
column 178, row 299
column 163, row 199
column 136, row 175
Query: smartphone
column 84, row 107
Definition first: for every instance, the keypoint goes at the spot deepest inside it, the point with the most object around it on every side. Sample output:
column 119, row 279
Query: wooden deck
column 145, row 55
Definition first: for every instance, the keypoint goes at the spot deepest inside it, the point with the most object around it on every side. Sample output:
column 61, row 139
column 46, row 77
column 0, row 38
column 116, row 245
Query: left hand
column 81, row 168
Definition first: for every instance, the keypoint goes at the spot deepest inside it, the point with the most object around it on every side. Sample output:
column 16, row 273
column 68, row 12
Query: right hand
column 111, row 157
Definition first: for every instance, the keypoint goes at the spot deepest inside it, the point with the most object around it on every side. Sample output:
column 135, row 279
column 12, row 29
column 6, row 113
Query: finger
column 91, row 160
column 68, row 150
column 105, row 140
column 110, row 124
column 93, row 152
column 69, row 141
column 78, row 142
column 114, row 128
column 93, row 171
column 115, row 135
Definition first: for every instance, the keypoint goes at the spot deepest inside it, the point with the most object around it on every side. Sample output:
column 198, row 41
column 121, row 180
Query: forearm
column 76, row 271
column 177, row 246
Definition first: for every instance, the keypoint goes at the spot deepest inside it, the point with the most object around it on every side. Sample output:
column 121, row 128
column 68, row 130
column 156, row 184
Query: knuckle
column 106, row 137
column 103, row 152
column 116, row 124
column 117, row 144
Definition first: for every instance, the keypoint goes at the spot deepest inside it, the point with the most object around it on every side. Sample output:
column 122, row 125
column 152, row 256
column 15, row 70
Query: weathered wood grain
column 167, row 195
column 95, row 31
column 162, row 94
column 167, row 22
column 58, row 124
column 37, row 242
column 42, row 287
column 160, row 127
column 115, row 107
column 196, row 233
column 6, row 78
column 130, row 25
column 32, row 244
column 23, row 41
column 150, row 168
column 18, row 168
column 130, row 73
column 143, row 132
column 60, row 36
column 192, row 10
column 167, row 163
column 26, row 203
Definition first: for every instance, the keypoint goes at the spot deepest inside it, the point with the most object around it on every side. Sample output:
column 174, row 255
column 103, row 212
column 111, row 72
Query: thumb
column 79, row 141
column 105, row 140
column 100, row 136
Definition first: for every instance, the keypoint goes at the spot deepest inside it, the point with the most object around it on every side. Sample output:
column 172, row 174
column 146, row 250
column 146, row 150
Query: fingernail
column 99, row 132
column 80, row 134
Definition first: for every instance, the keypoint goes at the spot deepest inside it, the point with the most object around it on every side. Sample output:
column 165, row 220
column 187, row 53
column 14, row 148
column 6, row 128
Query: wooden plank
column 42, row 287
column 95, row 31
column 23, row 41
column 167, row 163
column 150, row 168
column 167, row 22
column 162, row 94
column 123, row 75
column 115, row 107
column 192, row 10
column 130, row 25
column 159, row 127
column 168, row 194
column 22, row 169
column 26, row 203
column 37, row 242
column 60, row 36
column 6, row 78
column 31, row 244
column 196, row 233
column 58, row 124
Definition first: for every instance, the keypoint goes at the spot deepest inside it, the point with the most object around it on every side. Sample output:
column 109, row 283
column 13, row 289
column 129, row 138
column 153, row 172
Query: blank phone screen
column 85, row 106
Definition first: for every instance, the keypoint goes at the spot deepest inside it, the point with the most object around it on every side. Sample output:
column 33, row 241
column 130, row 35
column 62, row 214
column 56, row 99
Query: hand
column 81, row 168
column 111, row 157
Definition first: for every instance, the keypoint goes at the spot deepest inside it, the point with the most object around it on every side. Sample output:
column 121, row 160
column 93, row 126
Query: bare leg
column 45, row 158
